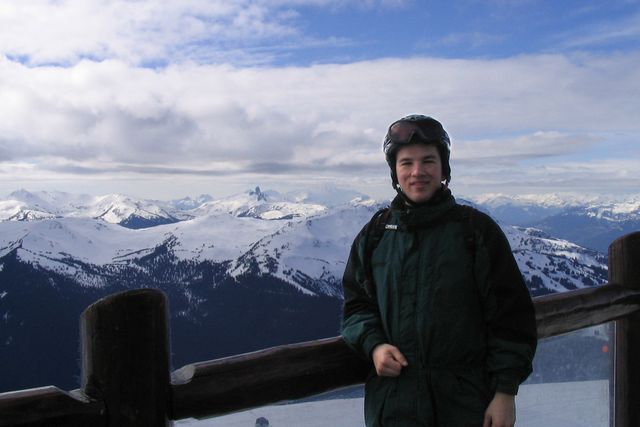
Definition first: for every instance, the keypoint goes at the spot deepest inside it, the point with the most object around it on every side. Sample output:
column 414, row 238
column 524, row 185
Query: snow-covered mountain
column 241, row 230
column 593, row 222
column 119, row 209
column 259, row 268
column 302, row 244
column 309, row 254
column 522, row 210
column 260, row 205
column 554, row 265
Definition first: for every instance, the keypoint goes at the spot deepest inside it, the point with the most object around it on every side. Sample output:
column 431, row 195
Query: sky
column 164, row 100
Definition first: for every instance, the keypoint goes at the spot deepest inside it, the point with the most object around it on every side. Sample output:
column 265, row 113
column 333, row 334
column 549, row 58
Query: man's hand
column 501, row 412
column 388, row 360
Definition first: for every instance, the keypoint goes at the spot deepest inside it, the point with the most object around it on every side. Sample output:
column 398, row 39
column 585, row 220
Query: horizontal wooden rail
column 50, row 406
column 569, row 311
column 295, row 371
column 267, row 376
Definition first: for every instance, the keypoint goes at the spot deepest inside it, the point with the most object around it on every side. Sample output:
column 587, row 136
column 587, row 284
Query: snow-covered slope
column 124, row 210
column 15, row 210
column 22, row 205
column 620, row 211
column 592, row 222
column 554, row 265
column 529, row 208
column 310, row 254
column 254, row 233
column 256, row 204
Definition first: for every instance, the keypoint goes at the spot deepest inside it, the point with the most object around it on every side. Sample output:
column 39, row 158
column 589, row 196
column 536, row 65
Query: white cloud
column 110, row 118
column 77, row 100
column 512, row 150
column 63, row 31
column 626, row 29
column 605, row 177
column 467, row 39
column 40, row 32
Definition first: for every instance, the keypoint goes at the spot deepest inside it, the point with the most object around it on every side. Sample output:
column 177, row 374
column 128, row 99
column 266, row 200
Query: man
column 438, row 305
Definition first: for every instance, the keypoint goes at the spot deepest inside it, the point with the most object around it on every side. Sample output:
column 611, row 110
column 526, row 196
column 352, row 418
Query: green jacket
column 459, row 312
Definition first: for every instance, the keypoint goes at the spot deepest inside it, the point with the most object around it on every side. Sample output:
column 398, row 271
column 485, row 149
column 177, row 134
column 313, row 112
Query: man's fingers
column 395, row 353
column 388, row 360
column 389, row 372
column 392, row 366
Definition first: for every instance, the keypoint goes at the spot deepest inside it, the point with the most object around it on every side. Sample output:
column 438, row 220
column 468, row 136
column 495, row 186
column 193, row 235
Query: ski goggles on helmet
column 404, row 131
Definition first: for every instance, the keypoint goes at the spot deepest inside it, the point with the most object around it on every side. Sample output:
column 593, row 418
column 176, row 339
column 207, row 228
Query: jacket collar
column 425, row 213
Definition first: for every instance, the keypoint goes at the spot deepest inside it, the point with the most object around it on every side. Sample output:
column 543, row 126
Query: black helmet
column 416, row 129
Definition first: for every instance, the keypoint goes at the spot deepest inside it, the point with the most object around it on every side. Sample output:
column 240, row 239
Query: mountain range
column 592, row 222
column 244, row 272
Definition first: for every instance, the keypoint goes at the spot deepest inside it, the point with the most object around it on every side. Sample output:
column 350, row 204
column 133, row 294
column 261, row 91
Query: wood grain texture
column 263, row 377
column 125, row 357
column 49, row 406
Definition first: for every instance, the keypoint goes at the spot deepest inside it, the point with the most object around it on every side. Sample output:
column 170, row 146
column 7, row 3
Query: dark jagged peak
column 260, row 196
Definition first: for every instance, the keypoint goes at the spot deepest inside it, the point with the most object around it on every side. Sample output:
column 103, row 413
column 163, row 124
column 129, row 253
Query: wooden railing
column 125, row 360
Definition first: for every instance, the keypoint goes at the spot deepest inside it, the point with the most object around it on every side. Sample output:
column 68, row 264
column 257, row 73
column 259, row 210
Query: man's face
column 419, row 171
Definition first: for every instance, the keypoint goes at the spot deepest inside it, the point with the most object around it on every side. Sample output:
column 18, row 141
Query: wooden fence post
column 125, row 357
column 624, row 269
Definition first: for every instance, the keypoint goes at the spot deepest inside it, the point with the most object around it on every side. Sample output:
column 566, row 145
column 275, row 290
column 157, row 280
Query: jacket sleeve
column 509, row 311
column 361, row 327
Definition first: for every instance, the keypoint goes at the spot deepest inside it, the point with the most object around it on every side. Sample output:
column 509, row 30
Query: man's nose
column 417, row 170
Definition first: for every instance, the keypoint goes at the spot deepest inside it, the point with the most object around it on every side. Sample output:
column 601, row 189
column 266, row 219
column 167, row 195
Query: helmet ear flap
column 391, row 161
column 394, row 179
column 446, row 167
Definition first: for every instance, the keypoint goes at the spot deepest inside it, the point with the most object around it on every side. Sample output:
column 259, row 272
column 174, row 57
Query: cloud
column 155, row 32
column 110, row 117
column 609, row 177
column 44, row 31
column 532, row 146
column 466, row 39
column 623, row 30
